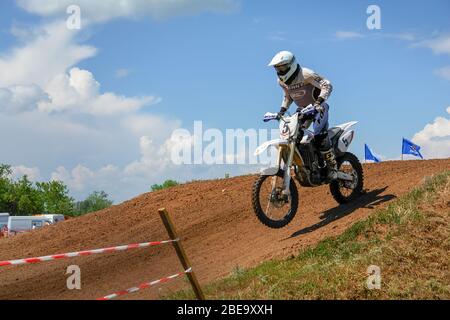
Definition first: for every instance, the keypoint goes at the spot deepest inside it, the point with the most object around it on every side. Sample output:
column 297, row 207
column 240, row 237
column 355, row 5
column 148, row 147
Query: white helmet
column 285, row 64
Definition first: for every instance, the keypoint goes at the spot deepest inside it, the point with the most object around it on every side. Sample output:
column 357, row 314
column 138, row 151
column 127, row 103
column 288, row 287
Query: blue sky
column 208, row 62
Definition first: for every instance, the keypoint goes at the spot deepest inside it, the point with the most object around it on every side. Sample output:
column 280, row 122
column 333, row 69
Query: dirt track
column 217, row 225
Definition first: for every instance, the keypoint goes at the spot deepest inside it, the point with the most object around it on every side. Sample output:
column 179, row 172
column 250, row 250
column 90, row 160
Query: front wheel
column 272, row 208
column 347, row 191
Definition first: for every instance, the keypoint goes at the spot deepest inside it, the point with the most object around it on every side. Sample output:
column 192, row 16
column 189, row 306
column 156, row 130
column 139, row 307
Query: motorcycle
column 275, row 196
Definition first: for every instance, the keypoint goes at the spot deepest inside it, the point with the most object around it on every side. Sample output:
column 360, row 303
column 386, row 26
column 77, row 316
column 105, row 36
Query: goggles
column 283, row 69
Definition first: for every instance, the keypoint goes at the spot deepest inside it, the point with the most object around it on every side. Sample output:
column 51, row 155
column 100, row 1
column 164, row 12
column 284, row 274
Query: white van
column 18, row 224
column 53, row 218
column 3, row 220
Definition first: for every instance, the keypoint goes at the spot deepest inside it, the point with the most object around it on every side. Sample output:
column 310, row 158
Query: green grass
column 409, row 240
column 166, row 185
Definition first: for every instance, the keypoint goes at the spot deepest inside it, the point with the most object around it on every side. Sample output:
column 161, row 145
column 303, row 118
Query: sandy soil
column 217, row 225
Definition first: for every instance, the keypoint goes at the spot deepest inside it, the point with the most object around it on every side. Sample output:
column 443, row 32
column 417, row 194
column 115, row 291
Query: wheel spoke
column 274, row 182
column 347, row 167
column 279, row 211
column 269, row 203
column 345, row 191
column 275, row 208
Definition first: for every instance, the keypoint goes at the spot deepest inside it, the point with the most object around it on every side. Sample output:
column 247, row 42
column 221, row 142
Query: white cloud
column 75, row 179
column 434, row 139
column 56, row 111
column 110, row 103
column 349, row 35
column 104, row 10
column 147, row 124
column 439, row 45
column 89, row 152
column 33, row 174
column 154, row 166
column 154, row 158
column 121, row 73
column 134, row 178
column 26, row 33
column 41, row 60
column 405, row 36
column 78, row 91
column 402, row 36
column 277, row 36
column 21, row 98
column 443, row 72
column 28, row 70
column 49, row 140
column 345, row 35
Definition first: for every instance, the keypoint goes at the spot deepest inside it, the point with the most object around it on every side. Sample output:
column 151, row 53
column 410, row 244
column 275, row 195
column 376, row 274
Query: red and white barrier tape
column 83, row 253
column 143, row 286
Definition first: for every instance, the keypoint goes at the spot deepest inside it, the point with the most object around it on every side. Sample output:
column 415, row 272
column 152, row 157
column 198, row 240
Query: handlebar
column 307, row 112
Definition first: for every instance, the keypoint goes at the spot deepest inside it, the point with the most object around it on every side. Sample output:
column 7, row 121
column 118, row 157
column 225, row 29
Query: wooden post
column 180, row 252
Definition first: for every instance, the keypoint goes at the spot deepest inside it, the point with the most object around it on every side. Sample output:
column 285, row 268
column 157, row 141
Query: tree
column 98, row 200
column 18, row 197
column 165, row 185
column 23, row 198
column 5, row 186
column 55, row 198
column 5, row 171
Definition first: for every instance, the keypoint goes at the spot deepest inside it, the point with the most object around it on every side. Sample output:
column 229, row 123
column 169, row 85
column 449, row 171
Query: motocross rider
column 304, row 87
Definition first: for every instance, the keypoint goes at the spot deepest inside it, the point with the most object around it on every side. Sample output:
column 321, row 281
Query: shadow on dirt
column 368, row 200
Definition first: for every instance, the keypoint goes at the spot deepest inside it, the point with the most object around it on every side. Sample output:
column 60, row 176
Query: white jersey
column 305, row 89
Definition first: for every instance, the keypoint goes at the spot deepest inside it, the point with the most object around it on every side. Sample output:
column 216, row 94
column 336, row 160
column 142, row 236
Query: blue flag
column 369, row 154
column 410, row 148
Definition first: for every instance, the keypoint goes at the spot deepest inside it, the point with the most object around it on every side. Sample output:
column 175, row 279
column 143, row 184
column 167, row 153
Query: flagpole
column 403, row 141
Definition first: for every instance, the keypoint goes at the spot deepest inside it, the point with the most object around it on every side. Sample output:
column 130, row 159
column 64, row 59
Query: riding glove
column 281, row 113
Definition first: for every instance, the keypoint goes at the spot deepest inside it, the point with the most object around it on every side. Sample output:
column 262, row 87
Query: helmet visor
column 283, row 69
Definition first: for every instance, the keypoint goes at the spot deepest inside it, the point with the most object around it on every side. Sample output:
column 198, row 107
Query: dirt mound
column 218, row 229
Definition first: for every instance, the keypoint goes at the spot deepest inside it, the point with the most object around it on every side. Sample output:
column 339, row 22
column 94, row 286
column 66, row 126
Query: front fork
column 287, row 169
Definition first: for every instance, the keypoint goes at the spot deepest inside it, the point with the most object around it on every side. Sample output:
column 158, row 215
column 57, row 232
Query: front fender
column 276, row 143
column 273, row 171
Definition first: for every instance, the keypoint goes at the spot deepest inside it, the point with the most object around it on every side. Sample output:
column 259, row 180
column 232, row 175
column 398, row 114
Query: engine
column 310, row 174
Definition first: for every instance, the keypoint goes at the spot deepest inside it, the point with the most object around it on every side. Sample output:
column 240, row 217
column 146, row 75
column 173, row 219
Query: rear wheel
column 347, row 191
column 271, row 207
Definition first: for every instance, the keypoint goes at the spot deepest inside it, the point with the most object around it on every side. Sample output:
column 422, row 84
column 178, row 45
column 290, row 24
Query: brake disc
column 277, row 198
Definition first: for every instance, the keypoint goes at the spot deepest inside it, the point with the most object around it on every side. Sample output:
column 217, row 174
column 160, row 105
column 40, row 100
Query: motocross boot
column 330, row 160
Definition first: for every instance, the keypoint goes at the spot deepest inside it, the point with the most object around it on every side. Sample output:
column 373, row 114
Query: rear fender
column 346, row 137
column 345, row 140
